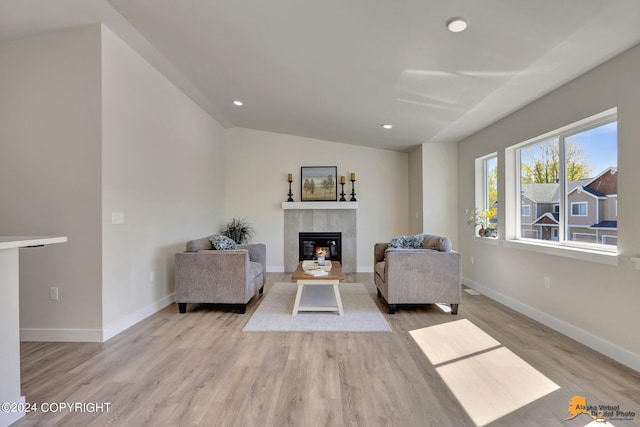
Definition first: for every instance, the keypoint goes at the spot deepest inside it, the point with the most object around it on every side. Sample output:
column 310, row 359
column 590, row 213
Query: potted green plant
column 238, row 229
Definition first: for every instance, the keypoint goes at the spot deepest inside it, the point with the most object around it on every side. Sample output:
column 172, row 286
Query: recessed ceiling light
column 237, row 103
column 456, row 25
column 387, row 126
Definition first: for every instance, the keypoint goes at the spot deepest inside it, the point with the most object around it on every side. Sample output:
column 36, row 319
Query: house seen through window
column 568, row 187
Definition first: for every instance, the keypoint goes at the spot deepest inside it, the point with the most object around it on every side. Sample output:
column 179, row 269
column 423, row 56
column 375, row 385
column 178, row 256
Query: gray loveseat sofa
column 429, row 274
column 204, row 275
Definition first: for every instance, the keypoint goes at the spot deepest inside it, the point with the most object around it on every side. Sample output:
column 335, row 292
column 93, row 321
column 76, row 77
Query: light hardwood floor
column 200, row 369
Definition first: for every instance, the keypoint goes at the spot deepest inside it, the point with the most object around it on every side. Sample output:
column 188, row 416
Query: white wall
column 50, row 176
column 439, row 190
column 257, row 165
column 594, row 303
column 163, row 167
column 87, row 128
column 416, row 188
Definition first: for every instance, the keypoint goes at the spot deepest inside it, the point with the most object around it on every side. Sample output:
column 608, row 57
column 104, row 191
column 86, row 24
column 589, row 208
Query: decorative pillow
column 222, row 243
column 415, row 242
column 407, row 242
column 398, row 242
column 201, row 244
column 439, row 243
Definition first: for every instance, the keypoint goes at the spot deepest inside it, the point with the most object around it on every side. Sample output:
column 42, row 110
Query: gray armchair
column 427, row 275
column 204, row 275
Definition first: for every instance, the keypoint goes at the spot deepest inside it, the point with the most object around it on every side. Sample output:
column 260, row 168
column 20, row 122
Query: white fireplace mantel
column 319, row 205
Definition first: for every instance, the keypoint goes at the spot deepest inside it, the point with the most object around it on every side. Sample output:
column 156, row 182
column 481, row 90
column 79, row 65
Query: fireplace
column 331, row 242
column 321, row 217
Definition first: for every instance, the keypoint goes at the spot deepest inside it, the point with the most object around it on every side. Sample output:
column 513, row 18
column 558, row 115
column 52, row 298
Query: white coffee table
column 333, row 280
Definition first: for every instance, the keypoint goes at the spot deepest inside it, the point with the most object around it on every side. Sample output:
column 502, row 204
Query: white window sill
column 609, row 258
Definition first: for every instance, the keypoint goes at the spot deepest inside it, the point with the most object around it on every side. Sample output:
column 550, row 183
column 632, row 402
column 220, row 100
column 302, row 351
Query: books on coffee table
column 313, row 265
column 316, row 272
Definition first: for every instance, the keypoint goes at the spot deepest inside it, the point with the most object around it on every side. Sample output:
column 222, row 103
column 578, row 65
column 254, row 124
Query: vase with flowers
column 482, row 219
column 320, row 255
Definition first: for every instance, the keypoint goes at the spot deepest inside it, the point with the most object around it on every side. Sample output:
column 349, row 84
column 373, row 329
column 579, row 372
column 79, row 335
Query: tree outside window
column 484, row 216
column 491, row 187
column 570, row 182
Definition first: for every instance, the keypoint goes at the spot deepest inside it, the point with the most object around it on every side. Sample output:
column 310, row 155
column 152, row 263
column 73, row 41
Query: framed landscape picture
column 318, row 183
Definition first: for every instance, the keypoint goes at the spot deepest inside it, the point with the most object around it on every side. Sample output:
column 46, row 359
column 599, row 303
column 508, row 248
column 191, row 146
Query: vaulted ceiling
column 338, row 69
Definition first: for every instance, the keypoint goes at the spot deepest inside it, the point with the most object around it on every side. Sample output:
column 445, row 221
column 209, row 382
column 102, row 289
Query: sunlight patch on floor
column 488, row 380
column 452, row 340
column 445, row 308
column 595, row 423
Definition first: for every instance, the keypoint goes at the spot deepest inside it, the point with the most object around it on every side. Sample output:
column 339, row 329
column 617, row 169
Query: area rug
column 360, row 312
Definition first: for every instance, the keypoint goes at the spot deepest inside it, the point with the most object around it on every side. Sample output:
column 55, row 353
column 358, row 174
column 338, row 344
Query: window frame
column 607, row 254
column 482, row 197
column 586, row 208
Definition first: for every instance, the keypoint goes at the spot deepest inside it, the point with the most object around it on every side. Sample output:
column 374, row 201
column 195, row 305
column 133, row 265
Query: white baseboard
column 95, row 335
column 126, row 322
column 9, row 417
column 619, row 354
column 60, row 335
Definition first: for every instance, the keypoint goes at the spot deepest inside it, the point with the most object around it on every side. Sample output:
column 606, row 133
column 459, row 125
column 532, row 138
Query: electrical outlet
column 117, row 218
column 53, row 294
column 471, row 259
column 547, row 282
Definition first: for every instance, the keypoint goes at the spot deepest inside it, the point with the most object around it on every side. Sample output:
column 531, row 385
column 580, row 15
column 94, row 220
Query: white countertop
column 10, row 242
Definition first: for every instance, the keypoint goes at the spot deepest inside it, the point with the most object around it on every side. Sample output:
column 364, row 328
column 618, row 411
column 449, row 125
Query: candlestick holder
column 290, row 199
column 342, row 194
column 353, row 191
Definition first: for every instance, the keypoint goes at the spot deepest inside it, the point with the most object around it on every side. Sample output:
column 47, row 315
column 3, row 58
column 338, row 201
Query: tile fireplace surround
column 320, row 217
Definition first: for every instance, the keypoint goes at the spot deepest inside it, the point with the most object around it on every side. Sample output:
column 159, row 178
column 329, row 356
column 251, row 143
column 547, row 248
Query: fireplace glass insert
column 311, row 243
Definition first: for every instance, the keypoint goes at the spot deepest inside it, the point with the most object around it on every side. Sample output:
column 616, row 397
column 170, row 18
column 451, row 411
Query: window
column 487, row 189
column 491, row 188
column 579, row 209
column 568, row 179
